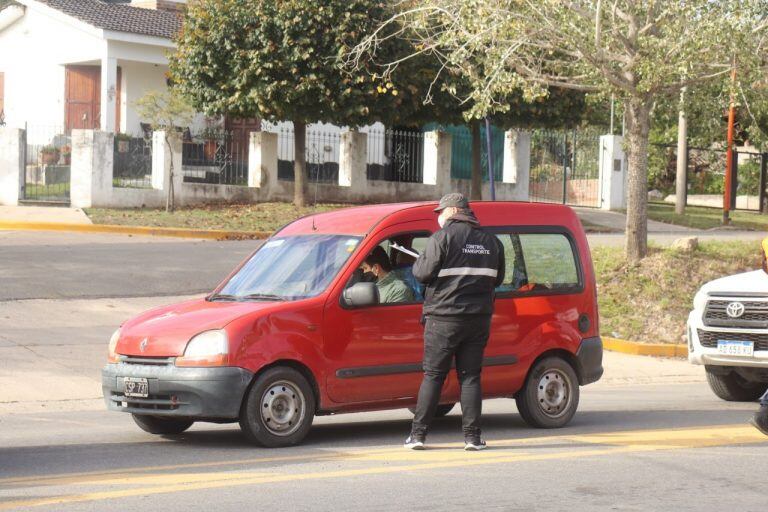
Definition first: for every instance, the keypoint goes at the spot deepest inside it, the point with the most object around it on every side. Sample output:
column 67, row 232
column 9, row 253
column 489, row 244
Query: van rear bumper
column 202, row 393
column 590, row 360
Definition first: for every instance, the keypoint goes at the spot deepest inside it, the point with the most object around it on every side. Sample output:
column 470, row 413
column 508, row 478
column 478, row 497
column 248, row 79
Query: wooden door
column 241, row 129
column 82, row 97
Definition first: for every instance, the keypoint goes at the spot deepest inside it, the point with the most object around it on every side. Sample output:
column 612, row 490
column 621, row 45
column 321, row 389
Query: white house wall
column 34, row 52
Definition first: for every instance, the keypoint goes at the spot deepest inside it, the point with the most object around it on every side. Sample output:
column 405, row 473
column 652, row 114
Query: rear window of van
column 539, row 262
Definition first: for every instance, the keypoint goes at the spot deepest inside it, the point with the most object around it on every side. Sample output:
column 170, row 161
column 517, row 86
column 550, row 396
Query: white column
column 517, row 162
column 613, row 173
column 108, row 92
column 262, row 159
column 353, row 161
column 92, row 168
column 160, row 161
column 12, row 165
column 437, row 161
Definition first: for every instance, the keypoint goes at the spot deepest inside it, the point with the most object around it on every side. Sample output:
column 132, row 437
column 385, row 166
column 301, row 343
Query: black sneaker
column 474, row 444
column 760, row 420
column 415, row 442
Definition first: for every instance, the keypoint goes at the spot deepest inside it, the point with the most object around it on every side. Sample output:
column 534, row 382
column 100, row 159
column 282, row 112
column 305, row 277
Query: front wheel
column 162, row 426
column 733, row 388
column 279, row 408
column 550, row 396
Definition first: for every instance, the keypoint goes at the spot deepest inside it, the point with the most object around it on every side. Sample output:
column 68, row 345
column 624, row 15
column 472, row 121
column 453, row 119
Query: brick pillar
column 12, row 165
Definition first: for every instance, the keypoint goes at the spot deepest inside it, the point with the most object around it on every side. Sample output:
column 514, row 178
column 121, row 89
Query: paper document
column 404, row 250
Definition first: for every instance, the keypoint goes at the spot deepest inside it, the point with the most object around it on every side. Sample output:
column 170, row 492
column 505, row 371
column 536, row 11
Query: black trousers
column 446, row 339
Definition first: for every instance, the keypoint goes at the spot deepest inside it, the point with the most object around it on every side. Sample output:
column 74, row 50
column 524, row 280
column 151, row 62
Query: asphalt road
column 42, row 265
column 650, row 447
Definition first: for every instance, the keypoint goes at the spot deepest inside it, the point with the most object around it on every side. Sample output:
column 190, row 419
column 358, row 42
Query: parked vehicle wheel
column 159, row 425
column 279, row 408
column 734, row 388
column 550, row 396
column 441, row 411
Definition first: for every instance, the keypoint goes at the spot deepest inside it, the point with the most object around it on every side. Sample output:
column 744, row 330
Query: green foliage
column 276, row 59
column 167, row 110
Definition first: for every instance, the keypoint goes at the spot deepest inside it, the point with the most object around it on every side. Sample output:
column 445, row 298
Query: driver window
column 391, row 267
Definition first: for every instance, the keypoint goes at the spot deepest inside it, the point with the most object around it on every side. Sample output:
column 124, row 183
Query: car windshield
column 290, row 268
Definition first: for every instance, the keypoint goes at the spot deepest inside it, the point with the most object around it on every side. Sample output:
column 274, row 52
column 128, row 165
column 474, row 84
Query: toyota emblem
column 143, row 344
column 735, row 309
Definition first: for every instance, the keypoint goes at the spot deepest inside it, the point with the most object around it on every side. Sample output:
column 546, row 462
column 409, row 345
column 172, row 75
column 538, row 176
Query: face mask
column 368, row 277
column 441, row 221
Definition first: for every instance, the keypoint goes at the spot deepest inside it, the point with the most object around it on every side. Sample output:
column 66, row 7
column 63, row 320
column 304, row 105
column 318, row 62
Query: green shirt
column 392, row 289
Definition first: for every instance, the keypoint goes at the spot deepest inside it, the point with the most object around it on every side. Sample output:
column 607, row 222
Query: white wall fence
column 94, row 182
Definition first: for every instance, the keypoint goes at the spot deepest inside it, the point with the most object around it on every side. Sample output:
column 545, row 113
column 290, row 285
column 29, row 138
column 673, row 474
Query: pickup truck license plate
column 136, row 387
column 735, row 348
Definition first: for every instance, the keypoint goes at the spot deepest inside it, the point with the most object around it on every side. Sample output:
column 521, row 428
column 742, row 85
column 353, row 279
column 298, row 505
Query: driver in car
column 392, row 289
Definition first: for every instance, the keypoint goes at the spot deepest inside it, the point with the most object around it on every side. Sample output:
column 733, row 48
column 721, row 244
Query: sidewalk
column 44, row 214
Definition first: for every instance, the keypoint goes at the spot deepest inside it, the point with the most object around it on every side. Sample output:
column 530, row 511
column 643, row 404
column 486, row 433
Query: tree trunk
column 638, row 126
column 681, row 179
column 299, row 163
column 476, row 185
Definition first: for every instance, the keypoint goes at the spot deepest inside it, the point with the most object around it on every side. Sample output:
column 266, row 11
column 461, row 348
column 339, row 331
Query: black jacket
column 461, row 266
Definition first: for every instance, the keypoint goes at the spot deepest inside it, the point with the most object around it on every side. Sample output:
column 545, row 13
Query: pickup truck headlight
column 209, row 348
column 112, row 356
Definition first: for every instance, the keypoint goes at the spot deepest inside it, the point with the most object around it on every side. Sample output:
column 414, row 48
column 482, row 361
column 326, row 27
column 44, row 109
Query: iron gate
column 565, row 167
column 47, row 169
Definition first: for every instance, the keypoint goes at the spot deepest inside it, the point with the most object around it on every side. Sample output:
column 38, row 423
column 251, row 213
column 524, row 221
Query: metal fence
column 461, row 152
column 705, row 175
column 219, row 158
column 395, row 155
column 47, row 158
column 322, row 150
column 132, row 167
column 565, row 167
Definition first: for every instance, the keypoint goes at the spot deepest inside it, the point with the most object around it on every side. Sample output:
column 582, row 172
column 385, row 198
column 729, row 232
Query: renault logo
column 735, row 309
column 143, row 344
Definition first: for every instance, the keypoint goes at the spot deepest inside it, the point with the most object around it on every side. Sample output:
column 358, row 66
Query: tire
column 161, row 426
column 550, row 396
column 733, row 388
column 278, row 409
column 441, row 411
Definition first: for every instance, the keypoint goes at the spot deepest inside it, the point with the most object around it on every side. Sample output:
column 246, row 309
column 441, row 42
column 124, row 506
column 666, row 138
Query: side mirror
column 361, row 294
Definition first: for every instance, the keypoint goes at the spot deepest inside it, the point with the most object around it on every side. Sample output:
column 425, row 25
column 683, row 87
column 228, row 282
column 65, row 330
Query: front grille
column 151, row 361
column 152, row 402
column 755, row 315
column 709, row 339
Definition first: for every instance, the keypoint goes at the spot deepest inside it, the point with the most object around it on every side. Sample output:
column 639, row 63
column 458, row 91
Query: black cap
column 454, row 199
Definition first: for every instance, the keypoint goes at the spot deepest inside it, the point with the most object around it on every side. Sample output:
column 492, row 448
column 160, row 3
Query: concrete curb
column 208, row 234
column 645, row 349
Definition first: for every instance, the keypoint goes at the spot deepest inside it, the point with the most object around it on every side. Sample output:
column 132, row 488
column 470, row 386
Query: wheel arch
column 289, row 363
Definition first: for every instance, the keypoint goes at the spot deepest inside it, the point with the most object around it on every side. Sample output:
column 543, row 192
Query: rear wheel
column 441, row 411
column 733, row 388
column 159, row 425
column 550, row 396
column 279, row 408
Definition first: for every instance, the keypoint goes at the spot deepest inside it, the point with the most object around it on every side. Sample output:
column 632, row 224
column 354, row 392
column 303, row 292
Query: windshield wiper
column 262, row 296
column 223, row 296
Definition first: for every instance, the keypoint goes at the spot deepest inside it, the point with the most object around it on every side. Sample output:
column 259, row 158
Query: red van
column 293, row 332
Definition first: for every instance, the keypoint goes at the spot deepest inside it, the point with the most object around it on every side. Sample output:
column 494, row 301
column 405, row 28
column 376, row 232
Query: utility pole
column 729, row 154
column 681, row 178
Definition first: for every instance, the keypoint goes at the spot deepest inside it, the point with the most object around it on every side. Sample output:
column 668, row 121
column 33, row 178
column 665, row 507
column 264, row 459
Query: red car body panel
column 327, row 339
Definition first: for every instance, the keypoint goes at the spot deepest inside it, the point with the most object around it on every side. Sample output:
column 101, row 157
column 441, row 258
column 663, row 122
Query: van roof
column 361, row 220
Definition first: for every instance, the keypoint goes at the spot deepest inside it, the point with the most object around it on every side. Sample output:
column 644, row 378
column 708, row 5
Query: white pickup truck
column 728, row 334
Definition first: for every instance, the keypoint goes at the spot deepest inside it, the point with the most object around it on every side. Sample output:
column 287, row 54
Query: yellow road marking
column 618, row 442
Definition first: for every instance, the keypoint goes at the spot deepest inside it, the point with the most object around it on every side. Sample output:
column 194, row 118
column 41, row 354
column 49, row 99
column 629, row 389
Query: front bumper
column 203, row 393
column 590, row 358
column 699, row 354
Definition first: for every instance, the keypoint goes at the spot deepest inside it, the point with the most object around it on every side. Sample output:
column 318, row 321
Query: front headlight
column 209, row 348
column 700, row 301
column 112, row 354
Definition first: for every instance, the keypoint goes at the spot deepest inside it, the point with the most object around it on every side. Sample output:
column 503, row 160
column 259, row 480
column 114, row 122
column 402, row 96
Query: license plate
column 735, row 348
column 136, row 387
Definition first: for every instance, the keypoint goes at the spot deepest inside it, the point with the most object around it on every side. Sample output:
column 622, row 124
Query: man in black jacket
column 461, row 266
